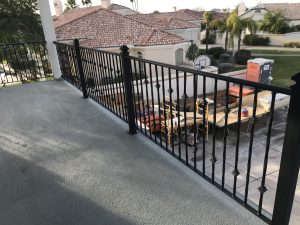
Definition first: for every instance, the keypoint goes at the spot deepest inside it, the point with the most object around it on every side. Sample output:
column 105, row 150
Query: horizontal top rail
column 23, row 43
column 93, row 49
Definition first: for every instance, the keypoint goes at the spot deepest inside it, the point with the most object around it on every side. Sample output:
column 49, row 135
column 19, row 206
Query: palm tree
column 222, row 27
column 208, row 18
column 236, row 26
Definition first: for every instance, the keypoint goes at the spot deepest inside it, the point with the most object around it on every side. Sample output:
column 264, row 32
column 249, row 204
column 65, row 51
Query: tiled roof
column 104, row 28
column 116, row 7
column 289, row 10
column 163, row 21
column 73, row 14
column 179, row 15
column 199, row 14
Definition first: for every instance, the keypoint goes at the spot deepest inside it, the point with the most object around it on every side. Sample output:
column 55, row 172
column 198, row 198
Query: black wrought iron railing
column 228, row 130
column 21, row 62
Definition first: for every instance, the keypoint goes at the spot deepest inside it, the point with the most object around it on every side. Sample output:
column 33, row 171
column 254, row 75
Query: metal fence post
column 126, row 67
column 290, row 161
column 80, row 68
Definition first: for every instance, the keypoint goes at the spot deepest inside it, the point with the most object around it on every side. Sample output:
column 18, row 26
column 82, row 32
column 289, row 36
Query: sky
column 148, row 6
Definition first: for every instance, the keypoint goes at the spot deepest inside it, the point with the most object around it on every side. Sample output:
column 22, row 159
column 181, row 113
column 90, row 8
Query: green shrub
column 256, row 40
column 292, row 45
column 242, row 57
column 216, row 52
column 211, row 39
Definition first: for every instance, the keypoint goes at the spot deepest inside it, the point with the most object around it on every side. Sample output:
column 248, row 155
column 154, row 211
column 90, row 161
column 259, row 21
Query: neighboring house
column 290, row 10
column 97, row 27
column 170, row 23
column 121, row 9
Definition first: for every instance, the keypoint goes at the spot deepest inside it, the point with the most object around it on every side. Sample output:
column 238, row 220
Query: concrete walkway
column 64, row 160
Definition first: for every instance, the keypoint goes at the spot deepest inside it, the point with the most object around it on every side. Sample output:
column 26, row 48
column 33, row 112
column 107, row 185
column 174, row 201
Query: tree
column 86, row 2
column 19, row 21
column 275, row 23
column 222, row 27
column 71, row 4
column 156, row 12
column 192, row 52
column 236, row 26
column 208, row 18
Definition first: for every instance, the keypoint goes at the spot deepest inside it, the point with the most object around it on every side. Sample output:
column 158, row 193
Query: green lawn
column 284, row 68
column 277, row 52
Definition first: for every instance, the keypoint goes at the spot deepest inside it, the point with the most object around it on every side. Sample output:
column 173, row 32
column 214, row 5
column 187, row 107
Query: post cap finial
column 296, row 78
column 76, row 41
column 124, row 48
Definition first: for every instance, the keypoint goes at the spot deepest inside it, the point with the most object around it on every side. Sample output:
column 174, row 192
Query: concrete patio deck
column 64, row 160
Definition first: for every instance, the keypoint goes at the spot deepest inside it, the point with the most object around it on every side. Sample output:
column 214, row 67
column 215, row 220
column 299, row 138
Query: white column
column 50, row 36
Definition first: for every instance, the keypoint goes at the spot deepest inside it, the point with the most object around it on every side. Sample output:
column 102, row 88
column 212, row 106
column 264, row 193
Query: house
column 172, row 23
column 290, row 10
column 121, row 9
column 97, row 27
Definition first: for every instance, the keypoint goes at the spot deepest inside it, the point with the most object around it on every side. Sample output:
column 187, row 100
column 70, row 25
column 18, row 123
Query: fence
column 21, row 62
column 214, row 130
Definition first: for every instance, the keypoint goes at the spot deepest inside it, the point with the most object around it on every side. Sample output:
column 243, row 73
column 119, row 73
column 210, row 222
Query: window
column 179, row 57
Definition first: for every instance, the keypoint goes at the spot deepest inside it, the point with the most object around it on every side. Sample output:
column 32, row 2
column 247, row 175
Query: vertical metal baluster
column 236, row 172
column 117, row 84
column 18, row 46
column 158, row 97
column 87, row 73
column 225, row 135
column 9, row 69
column 41, row 58
column 18, row 62
column 26, row 68
column 47, row 59
column 91, row 84
column 97, row 88
column 66, row 64
column 262, row 189
column 178, row 110
column 104, row 80
column 171, row 109
column 195, row 81
column 114, row 85
column 143, row 99
column 31, row 56
column 138, row 95
column 110, row 83
column 103, row 90
column 164, row 112
column 85, row 65
column 152, row 100
column 2, row 63
column 185, row 125
column 121, row 86
column 147, row 98
column 72, row 61
column 213, row 159
column 36, row 57
column 204, row 122
column 250, row 147
column 135, row 95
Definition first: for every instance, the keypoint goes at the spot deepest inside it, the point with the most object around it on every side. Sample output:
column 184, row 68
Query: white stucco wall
column 188, row 34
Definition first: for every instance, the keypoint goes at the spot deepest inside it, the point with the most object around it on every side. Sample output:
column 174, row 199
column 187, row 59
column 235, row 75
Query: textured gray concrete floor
column 65, row 161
